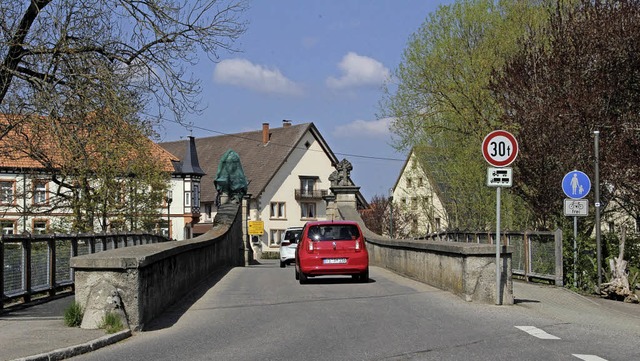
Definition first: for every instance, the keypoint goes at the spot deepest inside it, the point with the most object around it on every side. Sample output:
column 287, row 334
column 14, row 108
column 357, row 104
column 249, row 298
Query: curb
column 68, row 352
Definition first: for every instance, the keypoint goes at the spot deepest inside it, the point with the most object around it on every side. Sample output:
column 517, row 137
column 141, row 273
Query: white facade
column 22, row 197
column 416, row 197
column 294, row 196
column 26, row 200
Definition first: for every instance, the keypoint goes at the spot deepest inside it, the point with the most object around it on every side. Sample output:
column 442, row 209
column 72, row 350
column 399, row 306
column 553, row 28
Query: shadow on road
column 175, row 311
column 334, row 281
column 524, row 300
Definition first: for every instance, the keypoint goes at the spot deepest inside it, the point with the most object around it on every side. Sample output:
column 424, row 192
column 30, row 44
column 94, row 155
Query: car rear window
column 292, row 236
column 333, row 232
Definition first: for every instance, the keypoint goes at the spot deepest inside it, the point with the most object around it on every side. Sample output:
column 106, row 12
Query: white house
column 417, row 200
column 29, row 201
column 288, row 172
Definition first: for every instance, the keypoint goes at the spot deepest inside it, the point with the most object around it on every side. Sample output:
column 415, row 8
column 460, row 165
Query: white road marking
column 589, row 357
column 536, row 332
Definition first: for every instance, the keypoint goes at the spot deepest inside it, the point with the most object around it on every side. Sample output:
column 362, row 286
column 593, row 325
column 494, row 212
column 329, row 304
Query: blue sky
column 314, row 61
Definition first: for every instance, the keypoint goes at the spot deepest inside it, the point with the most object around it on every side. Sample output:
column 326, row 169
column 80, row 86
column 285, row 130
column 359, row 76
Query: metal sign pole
column 498, row 298
column 575, row 250
column 499, row 148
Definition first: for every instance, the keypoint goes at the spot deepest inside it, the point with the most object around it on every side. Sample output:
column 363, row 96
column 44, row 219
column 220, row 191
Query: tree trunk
column 618, row 287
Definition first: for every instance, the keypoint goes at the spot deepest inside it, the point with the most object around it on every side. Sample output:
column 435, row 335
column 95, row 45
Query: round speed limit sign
column 500, row 148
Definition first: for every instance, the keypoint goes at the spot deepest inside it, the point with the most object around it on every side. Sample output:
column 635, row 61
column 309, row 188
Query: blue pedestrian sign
column 576, row 184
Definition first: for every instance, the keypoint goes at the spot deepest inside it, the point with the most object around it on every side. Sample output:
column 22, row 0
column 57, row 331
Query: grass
column 73, row 315
column 111, row 323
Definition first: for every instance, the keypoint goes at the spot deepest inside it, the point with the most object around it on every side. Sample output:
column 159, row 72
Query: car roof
column 337, row 223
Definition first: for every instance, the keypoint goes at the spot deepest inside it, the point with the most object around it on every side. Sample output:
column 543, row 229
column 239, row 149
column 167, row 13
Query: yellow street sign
column 256, row 228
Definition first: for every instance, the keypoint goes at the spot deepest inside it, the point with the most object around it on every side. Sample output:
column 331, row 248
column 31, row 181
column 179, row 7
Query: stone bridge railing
column 465, row 269
column 141, row 282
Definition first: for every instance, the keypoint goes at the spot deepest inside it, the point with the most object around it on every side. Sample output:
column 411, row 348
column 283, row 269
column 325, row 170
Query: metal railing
column 536, row 254
column 38, row 266
column 315, row 194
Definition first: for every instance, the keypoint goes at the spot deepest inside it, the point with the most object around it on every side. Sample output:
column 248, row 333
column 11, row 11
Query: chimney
column 265, row 133
column 286, row 123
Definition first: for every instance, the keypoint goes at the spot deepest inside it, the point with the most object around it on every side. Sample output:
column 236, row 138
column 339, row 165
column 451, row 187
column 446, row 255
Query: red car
column 332, row 248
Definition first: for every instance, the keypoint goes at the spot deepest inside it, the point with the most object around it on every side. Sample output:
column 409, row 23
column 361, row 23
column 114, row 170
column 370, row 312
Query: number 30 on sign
column 500, row 148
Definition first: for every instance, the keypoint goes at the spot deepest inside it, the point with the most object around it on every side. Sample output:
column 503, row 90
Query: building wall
column 414, row 194
column 26, row 212
column 311, row 162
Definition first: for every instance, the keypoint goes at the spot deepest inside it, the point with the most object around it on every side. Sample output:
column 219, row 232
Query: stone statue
column 340, row 177
column 230, row 179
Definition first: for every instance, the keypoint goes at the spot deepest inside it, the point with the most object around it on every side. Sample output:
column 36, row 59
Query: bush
column 270, row 255
column 111, row 323
column 73, row 315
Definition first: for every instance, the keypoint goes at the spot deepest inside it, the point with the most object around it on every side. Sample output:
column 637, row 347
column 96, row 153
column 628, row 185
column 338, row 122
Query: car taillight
column 310, row 247
column 358, row 249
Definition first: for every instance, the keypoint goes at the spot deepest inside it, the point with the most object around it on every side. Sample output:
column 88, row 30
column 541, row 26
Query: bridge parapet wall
column 465, row 269
column 149, row 278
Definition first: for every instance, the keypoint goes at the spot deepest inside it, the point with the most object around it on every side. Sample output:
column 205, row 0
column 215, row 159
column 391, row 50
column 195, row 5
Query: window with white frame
column 187, row 199
column 278, row 210
column 6, row 192
column 307, row 185
column 39, row 227
column 40, row 192
column 275, row 236
column 8, row 227
column 308, row 210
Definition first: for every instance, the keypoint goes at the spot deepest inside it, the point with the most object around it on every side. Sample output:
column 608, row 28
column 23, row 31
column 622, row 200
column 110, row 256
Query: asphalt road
column 261, row 313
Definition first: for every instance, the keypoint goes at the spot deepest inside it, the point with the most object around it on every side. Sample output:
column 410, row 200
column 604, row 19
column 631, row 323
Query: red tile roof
column 260, row 161
column 16, row 146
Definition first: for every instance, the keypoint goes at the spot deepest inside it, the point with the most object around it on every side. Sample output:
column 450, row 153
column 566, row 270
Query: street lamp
column 597, row 204
column 169, row 198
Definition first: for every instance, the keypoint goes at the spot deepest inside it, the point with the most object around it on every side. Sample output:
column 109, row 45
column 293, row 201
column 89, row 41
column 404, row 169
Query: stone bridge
column 139, row 283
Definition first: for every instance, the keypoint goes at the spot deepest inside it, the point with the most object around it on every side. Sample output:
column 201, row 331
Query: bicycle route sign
column 500, row 148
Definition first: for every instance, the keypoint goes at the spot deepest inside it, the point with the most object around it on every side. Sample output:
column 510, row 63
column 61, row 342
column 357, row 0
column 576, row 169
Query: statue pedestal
column 344, row 196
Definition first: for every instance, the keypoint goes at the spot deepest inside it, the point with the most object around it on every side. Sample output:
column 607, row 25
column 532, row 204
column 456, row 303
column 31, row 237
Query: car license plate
column 334, row 261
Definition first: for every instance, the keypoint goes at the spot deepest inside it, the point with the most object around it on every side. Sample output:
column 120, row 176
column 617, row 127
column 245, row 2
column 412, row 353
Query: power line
column 191, row 127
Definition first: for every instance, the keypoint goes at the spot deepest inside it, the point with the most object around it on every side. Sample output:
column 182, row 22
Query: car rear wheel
column 282, row 264
column 362, row 277
column 297, row 275
column 303, row 278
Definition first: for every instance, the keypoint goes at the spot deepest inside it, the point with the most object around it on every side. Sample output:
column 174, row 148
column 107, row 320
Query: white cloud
column 373, row 128
column 358, row 70
column 245, row 74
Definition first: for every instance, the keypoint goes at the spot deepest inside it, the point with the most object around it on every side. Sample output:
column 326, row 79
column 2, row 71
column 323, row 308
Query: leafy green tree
column 442, row 101
column 577, row 75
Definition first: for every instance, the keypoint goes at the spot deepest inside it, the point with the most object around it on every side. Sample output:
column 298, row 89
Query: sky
column 314, row 61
